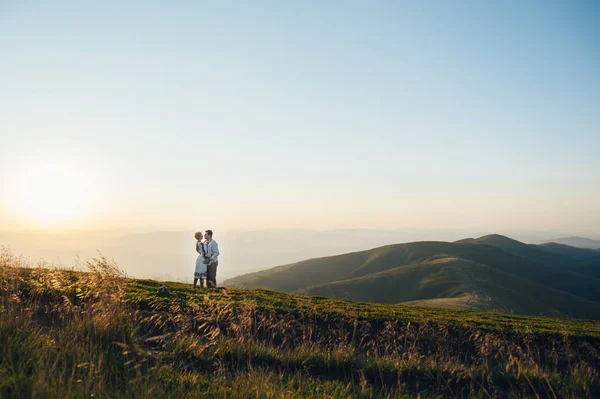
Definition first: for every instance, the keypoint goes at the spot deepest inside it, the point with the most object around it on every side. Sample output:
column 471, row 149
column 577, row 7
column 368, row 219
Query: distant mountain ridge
column 579, row 242
column 492, row 272
column 559, row 255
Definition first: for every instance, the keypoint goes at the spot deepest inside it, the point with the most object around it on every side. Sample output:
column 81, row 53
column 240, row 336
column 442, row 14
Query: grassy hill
column 73, row 334
column 479, row 287
column 589, row 258
column 579, row 260
column 592, row 255
column 501, row 273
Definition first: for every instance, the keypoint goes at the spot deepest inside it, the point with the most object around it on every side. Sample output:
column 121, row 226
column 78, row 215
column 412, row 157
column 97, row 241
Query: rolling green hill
column 578, row 253
column 579, row 260
column 589, row 258
column 71, row 334
column 494, row 271
column 472, row 285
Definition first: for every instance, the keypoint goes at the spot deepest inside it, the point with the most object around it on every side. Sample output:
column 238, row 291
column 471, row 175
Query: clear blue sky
column 482, row 114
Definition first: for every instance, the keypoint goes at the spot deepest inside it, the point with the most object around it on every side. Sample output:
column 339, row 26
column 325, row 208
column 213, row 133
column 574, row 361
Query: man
column 211, row 249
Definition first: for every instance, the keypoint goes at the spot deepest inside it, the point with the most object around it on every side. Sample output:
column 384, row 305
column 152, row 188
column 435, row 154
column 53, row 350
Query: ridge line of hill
column 520, row 269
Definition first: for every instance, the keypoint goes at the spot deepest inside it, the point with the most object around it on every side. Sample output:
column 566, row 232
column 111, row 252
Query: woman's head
column 198, row 235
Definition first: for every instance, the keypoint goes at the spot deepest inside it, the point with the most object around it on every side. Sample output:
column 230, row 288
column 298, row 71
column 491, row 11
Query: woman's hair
column 198, row 235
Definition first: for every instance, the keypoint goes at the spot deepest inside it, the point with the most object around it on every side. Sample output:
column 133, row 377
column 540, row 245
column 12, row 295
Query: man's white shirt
column 211, row 249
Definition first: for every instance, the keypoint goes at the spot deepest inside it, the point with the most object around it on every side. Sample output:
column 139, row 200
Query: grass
column 75, row 334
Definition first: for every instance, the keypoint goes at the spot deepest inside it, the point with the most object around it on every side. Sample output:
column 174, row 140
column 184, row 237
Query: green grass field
column 74, row 334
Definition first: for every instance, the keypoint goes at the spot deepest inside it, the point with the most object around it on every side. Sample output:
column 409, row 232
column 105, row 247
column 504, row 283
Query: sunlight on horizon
column 51, row 195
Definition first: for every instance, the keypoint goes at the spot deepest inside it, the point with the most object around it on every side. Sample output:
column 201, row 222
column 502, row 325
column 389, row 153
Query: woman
column 201, row 267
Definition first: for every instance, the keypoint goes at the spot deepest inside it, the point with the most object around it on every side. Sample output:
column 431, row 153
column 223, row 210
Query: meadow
column 97, row 333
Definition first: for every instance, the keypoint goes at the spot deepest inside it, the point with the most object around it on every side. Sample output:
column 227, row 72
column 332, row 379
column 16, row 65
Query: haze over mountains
column 169, row 255
column 580, row 242
column 490, row 273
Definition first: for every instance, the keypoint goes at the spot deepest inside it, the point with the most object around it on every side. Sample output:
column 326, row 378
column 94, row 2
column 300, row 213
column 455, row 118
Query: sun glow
column 52, row 195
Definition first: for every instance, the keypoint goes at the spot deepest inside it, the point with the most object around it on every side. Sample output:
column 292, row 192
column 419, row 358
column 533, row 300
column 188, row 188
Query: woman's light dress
column 200, row 271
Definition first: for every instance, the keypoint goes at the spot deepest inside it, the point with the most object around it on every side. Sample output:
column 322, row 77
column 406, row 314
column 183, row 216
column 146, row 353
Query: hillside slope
column 590, row 258
column 569, row 258
column 311, row 272
column 462, row 283
column 523, row 269
column 70, row 334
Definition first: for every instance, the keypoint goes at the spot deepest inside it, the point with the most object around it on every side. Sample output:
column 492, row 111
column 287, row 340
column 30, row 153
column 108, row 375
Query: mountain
column 488, row 273
column 579, row 260
column 579, row 242
column 574, row 252
column 458, row 283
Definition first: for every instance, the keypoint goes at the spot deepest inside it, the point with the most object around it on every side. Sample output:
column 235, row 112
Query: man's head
column 208, row 234
column 198, row 235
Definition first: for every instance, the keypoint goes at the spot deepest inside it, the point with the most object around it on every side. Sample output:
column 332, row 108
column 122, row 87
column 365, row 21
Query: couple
column 208, row 259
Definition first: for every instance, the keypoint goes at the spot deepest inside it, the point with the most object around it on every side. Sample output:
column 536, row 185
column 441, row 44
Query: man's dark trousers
column 211, row 274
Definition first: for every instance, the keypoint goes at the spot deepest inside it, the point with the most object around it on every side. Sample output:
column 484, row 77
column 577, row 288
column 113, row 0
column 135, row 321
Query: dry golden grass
column 75, row 334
